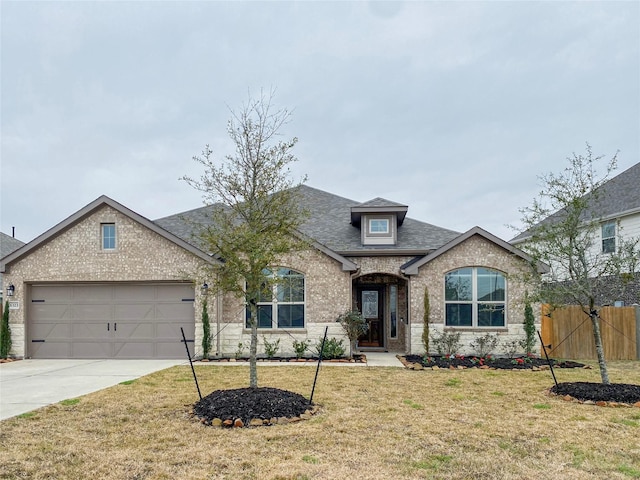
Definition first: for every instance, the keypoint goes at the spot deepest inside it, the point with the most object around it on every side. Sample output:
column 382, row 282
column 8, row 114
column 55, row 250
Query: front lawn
column 375, row 423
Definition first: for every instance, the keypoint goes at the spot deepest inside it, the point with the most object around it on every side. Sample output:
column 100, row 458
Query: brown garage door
column 110, row 320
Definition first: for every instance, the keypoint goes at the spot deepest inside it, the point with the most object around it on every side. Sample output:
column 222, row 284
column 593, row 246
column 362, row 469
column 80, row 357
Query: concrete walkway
column 383, row 359
column 29, row 384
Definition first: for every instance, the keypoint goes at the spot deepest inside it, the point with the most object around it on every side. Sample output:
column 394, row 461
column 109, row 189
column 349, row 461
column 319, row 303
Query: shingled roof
column 618, row 197
column 330, row 224
column 8, row 244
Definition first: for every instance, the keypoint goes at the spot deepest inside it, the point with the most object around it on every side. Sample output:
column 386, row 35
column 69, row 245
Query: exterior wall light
column 11, row 290
column 205, row 288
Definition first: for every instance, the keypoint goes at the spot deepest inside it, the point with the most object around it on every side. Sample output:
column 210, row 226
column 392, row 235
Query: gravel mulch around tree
column 252, row 407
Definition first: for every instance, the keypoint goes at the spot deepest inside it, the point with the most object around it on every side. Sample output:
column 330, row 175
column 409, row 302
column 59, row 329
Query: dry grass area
column 375, row 423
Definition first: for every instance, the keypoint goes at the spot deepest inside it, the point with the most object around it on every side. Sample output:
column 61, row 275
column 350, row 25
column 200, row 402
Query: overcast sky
column 452, row 108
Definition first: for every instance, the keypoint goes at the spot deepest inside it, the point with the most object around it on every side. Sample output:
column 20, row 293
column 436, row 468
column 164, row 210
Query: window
column 393, row 310
column 379, row 225
column 108, row 236
column 282, row 304
column 608, row 237
column 475, row 297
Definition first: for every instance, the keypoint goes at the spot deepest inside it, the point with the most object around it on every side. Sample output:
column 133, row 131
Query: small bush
column 446, row 343
column 301, row 347
column 5, row 333
column 206, row 331
column 271, row 348
column 239, row 351
column 511, row 348
column 354, row 326
column 333, row 348
column 485, row 344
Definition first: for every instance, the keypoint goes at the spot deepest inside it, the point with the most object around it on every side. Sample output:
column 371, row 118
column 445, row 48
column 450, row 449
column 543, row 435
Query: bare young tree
column 255, row 212
column 562, row 231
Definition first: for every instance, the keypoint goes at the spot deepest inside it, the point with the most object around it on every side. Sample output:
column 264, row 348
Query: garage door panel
column 86, row 312
column 52, row 312
column 175, row 312
column 131, row 331
column 92, row 294
column 135, row 350
column 91, row 349
column 52, row 293
column 94, row 331
column 52, row 331
column 51, row 349
column 135, row 293
column 172, row 330
column 110, row 320
column 133, row 312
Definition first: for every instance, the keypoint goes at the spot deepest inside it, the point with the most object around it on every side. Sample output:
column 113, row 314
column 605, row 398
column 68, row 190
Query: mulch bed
column 459, row 361
column 585, row 392
column 253, row 407
column 357, row 358
column 599, row 392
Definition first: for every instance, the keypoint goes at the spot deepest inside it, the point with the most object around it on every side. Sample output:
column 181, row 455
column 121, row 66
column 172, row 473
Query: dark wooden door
column 371, row 305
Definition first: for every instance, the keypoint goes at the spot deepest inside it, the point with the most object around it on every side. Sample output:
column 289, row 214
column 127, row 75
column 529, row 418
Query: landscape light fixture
column 11, row 290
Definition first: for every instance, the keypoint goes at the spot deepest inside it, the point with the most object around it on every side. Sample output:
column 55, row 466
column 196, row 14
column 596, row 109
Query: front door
column 371, row 303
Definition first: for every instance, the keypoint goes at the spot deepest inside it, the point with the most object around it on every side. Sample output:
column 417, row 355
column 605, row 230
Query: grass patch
column 405, row 427
column 434, row 463
column 412, row 404
column 127, row 382
column 629, row 471
column 453, row 382
column 27, row 415
column 625, row 421
column 70, row 401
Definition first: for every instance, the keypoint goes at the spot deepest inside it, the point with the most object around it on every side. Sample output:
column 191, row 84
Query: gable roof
column 329, row 224
column 618, row 197
column 411, row 267
column 87, row 211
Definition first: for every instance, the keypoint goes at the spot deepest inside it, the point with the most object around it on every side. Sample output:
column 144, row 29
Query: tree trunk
column 595, row 321
column 253, row 348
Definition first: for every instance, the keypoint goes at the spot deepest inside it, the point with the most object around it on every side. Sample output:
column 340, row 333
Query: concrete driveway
column 29, row 384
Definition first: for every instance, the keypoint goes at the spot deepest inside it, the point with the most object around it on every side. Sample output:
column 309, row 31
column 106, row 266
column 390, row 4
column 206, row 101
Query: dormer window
column 379, row 226
column 378, row 220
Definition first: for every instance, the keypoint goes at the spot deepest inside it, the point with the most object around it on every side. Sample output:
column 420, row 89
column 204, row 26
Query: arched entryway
column 382, row 300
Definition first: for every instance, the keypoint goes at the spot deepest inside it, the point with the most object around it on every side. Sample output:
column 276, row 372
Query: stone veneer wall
column 475, row 252
column 327, row 295
column 75, row 255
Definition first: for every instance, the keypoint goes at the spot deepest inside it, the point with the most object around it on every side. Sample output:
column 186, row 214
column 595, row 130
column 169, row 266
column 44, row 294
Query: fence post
column 637, row 307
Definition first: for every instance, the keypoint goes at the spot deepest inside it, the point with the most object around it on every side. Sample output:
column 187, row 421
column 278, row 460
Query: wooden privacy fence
column 570, row 333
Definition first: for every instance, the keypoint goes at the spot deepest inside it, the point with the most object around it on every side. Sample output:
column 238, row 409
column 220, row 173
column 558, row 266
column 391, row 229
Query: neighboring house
column 8, row 244
column 109, row 283
column 618, row 212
